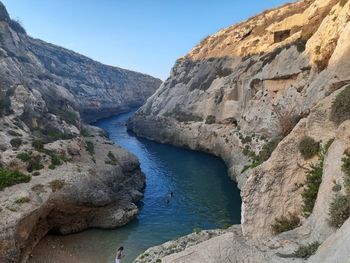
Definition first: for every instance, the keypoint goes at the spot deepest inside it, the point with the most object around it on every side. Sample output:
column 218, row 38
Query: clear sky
column 141, row 35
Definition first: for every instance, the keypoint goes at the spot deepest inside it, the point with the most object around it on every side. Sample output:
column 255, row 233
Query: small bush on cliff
column 85, row 132
column 263, row 155
column 22, row 200
column 38, row 145
column 112, row 159
column 56, row 160
column 90, row 148
column 12, row 177
column 285, row 223
column 313, row 181
column 24, row 156
column 306, row 251
column 308, row 147
column 346, row 170
column 341, row 106
column 268, row 149
column 339, row 209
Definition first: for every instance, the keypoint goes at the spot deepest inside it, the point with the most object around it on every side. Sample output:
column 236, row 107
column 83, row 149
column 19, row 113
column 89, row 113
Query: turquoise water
column 204, row 197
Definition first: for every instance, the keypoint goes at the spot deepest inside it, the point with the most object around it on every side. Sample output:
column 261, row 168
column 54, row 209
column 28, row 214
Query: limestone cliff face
column 270, row 79
column 57, row 173
column 95, row 89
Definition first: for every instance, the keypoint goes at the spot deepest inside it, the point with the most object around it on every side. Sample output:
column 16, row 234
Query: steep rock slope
column 57, row 173
column 250, row 94
column 95, row 89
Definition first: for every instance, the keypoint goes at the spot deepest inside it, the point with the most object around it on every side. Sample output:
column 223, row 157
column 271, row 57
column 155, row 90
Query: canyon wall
column 250, row 94
column 56, row 172
column 62, row 76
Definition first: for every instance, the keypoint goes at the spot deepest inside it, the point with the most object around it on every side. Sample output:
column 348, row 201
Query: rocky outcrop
column 249, row 94
column 57, row 173
column 80, row 193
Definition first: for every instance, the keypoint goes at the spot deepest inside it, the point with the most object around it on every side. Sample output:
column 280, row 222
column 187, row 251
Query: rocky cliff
column 96, row 90
column 57, row 173
column 270, row 96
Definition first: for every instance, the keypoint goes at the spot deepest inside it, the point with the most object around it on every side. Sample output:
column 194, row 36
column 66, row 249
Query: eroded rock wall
column 271, row 78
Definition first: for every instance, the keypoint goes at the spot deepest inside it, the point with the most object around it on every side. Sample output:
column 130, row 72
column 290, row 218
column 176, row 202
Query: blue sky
column 141, row 35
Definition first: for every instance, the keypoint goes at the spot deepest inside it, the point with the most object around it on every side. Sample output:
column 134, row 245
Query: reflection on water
column 204, row 197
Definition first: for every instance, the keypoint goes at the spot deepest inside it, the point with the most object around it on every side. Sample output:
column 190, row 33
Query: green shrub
column 339, row 210
column 12, row 177
column 313, row 181
column 22, row 200
column 38, row 145
column 90, row 148
column 346, row 170
column 308, row 147
column 285, row 223
column 54, row 135
column 16, row 142
column 112, row 159
column 306, row 251
column 341, row 106
column 268, row 149
column 264, row 154
column 24, row 156
column 85, row 132
column 56, row 160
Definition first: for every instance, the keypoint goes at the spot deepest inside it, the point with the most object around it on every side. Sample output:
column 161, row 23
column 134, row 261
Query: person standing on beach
column 119, row 255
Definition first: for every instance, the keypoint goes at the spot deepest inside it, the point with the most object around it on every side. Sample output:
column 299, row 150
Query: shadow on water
column 204, row 197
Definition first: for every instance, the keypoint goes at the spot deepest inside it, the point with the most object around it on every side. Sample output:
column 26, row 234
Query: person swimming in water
column 119, row 255
column 169, row 196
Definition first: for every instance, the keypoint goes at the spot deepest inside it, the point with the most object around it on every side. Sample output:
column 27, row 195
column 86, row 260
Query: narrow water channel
column 204, row 197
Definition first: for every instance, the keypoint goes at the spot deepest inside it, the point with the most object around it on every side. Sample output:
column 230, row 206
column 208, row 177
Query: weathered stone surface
column 272, row 76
